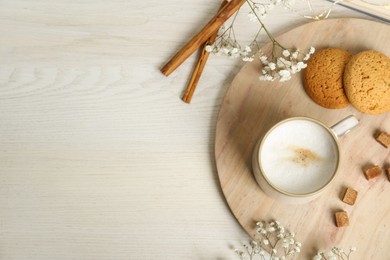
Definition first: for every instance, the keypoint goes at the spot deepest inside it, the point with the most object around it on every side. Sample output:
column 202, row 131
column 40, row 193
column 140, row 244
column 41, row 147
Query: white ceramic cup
column 298, row 158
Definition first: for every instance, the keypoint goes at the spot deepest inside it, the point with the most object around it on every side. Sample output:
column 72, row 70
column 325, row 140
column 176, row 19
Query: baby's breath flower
column 317, row 257
column 249, row 59
column 259, row 224
column 264, row 59
column 281, row 230
column 266, row 77
column 271, row 229
column 286, row 53
column 209, row 48
column 269, row 238
column 272, row 66
column 252, row 17
column 284, row 75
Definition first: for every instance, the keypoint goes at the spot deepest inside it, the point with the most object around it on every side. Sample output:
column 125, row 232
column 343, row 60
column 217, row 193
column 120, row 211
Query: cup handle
column 344, row 126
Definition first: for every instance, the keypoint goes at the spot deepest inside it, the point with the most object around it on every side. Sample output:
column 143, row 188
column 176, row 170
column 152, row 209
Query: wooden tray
column 251, row 107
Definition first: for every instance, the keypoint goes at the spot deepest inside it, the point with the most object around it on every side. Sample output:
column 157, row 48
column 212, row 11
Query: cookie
column 323, row 77
column 367, row 82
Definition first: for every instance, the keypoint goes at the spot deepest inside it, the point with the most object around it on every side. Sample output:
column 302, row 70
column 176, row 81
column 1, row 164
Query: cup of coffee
column 298, row 158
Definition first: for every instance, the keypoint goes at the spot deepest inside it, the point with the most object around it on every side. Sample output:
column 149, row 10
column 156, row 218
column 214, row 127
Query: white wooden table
column 99, row 157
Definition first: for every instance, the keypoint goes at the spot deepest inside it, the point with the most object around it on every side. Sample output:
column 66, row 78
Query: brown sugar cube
column 342, row 219
column 384, row 139
column 388, row 173
column 350, row 196
column 373, row 172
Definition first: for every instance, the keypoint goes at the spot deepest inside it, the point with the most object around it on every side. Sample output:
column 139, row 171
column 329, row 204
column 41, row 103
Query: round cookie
column 367, row 82
column 323, row 77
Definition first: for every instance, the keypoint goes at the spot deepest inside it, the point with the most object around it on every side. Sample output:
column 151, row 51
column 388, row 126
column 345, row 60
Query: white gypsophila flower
column 247, row 48
column 252, row 17
column 307, row 57
column 281, row 230
column 209, row 48
column 317, row 257
column 301, row 65
column 272, row 66
column 264, row 59
column 353, row 249
column 274, row 251
column 286, row 53
column 265, row 241
column 271, row 229
column 312, row 50
column 261, row 9
column 294, row 69
column 266, row 77
column 284, row 76
column 248, row 59
column 225, row 50
column 260, row 224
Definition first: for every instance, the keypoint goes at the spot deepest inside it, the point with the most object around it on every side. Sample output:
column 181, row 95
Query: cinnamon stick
column 200, row 64
column 226, row 12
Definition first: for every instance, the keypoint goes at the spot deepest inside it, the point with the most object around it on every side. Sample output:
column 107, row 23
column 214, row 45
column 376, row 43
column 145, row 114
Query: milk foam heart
column 299, row 156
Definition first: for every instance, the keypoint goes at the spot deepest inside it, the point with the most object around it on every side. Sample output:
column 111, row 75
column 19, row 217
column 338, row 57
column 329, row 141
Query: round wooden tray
column 251, row 107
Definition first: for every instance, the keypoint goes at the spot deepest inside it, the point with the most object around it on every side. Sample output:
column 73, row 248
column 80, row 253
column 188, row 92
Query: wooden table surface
column 99, row 157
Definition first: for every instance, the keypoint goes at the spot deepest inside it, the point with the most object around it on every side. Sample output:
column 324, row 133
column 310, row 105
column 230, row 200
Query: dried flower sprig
column 272, row 239
column 335, row 253
column 282, row 63
column 283, row 66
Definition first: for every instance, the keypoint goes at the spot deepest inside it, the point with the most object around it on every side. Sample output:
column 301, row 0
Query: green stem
column 263, row 26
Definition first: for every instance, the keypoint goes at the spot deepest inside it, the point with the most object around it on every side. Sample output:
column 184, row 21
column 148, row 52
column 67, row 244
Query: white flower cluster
column 232, row 50
column 336, row 253
column 283, row 67
column 274, row 239
column 263, row 8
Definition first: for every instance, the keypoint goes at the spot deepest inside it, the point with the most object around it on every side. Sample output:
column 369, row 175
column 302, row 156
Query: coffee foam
column 299, row 156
